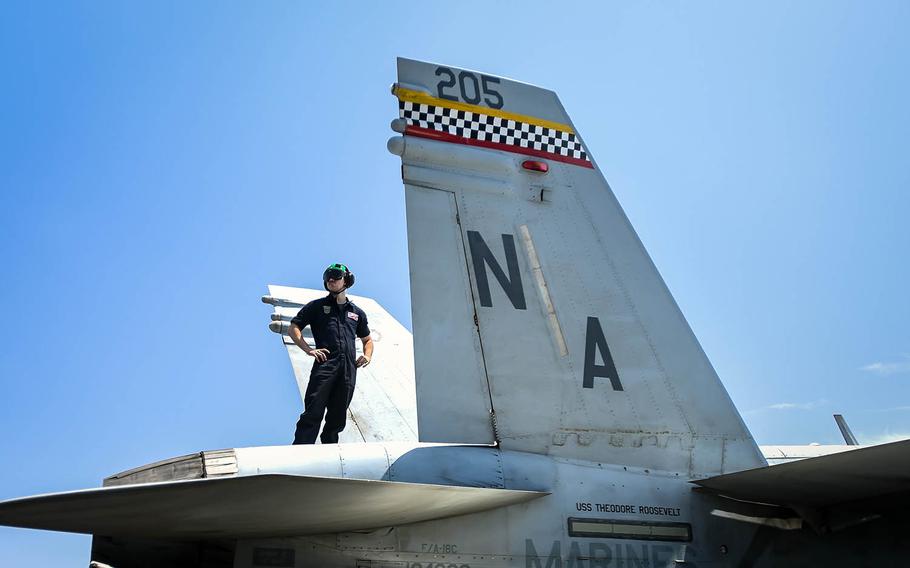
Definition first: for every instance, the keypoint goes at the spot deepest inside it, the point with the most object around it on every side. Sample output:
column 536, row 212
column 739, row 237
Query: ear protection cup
column 348, row 279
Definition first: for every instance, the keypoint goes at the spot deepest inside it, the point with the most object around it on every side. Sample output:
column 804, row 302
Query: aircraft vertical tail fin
column 540, row 322
column 383, row 408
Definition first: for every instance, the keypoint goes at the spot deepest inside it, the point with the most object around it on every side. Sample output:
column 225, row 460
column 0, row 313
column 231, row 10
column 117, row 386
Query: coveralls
column 331, row 387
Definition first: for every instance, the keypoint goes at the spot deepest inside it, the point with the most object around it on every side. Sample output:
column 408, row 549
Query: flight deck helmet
column 338, row 270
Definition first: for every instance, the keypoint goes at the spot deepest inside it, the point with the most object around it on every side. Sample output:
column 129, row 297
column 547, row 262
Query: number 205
column 470, row 88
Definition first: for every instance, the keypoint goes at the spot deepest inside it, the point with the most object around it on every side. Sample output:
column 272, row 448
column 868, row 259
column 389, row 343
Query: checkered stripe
column 478, row 126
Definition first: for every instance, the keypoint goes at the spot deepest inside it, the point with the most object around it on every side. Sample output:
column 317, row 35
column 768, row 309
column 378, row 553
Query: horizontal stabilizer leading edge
column 250, row 506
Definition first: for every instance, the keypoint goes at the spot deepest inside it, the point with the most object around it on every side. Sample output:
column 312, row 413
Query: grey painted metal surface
column 452, row 393
column 437, row 464
column 547, row 255
column 517, row 535
column 250, row 506
column 850, row 476
column 845, row 431
column 281, row 496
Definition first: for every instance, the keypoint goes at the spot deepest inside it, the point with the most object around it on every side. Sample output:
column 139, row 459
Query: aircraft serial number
column 471, row 89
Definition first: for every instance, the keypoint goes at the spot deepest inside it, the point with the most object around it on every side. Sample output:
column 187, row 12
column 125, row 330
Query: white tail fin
column 540, row 322
column 383, row 407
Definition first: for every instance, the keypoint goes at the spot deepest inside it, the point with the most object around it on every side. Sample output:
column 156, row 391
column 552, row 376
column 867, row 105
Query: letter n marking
column 482, row 257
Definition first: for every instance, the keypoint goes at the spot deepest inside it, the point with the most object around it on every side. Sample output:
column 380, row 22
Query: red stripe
column 446, row 137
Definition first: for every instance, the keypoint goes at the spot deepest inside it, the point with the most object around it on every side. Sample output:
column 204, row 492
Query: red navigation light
column 535, row 166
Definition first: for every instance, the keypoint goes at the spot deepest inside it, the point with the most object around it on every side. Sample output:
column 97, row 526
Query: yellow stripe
column 423, row 98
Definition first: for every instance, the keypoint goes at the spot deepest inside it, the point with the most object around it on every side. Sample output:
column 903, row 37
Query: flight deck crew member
column 335, row 322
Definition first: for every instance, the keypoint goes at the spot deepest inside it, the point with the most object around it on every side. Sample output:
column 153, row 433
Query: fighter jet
column 566, row 415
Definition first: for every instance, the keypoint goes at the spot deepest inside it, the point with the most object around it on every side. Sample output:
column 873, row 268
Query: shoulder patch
column 353, row 316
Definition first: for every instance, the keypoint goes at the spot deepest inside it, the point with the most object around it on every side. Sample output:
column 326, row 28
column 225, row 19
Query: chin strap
column 334, row 294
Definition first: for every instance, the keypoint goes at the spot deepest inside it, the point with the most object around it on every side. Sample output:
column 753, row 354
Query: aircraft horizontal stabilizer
column 250, row 506
column 874, row 476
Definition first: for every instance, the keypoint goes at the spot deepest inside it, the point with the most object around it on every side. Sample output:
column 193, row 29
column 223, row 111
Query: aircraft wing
column 267, row 505
column 866, row 477
column 384, row 407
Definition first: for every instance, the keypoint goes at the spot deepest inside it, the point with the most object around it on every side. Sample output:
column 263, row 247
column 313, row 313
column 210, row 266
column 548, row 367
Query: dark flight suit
column 335, row 327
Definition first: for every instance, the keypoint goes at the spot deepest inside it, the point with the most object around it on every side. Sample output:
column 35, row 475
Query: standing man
column 335, row 322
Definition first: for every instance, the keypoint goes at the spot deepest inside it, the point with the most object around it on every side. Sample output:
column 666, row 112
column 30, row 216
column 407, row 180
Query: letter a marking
column 595, row 341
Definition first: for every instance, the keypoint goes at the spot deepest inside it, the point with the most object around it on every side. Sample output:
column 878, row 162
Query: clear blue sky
column 160, row 163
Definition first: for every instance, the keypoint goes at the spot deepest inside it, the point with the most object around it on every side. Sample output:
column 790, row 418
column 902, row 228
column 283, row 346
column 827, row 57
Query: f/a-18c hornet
column 555, row 411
